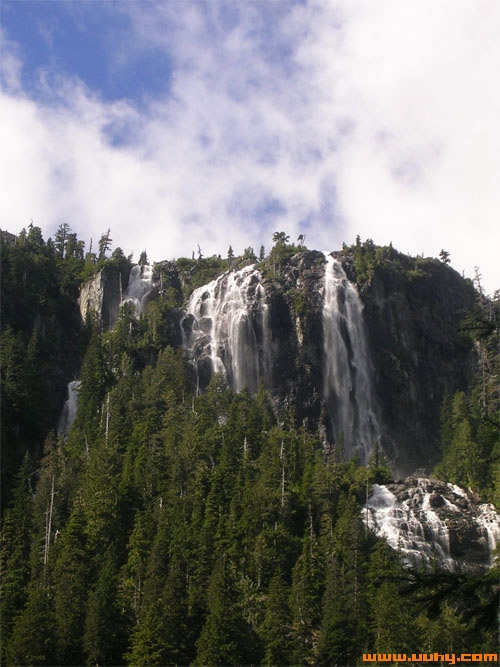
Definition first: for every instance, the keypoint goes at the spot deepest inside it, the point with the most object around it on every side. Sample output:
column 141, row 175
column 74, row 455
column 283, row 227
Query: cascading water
column 140, row 284
column 433, row 521
column 347, row 377
column 69, row 410
column 228, row 322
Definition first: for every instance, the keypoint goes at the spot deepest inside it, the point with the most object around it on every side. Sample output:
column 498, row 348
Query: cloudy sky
column 179, row 123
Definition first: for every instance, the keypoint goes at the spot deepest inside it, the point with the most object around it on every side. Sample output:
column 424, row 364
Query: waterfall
column 347, row 376
column 227, row 322
column 434, row 521
column 69, row 410
column 140, row 284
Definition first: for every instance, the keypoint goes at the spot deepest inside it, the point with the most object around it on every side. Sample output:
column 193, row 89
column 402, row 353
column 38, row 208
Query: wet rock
column 435, row 522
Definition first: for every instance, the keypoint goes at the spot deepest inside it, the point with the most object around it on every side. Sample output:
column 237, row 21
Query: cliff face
column 102, row 295
column 296, row 322
column 360, row 365
column 418, row 354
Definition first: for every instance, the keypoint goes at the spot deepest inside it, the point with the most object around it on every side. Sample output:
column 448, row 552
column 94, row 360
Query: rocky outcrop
column 417, row 352
column 432, row 522
column 412, row 314
column 295, row 319
column 102, row 295
column 414, row 352
column 269, row 326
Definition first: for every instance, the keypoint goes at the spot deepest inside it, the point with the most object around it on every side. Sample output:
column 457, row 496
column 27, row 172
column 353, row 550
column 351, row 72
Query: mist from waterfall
column 230, row 325
column 347, row 381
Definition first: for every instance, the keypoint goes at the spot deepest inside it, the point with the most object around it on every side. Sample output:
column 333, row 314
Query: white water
column 347, row 380
column 231, row 317
column 410, row 526
column 489, row 521
column 415, row 529
column 69, row 410
column 140, row 283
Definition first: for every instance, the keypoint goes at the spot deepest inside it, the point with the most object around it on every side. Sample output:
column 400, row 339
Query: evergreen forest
column 170, row 528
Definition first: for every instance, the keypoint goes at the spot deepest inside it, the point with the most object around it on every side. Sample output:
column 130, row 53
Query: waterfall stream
column 347, row 376
column 229, row 324
column 69, row 410
column 434, row 521
column 140, row 284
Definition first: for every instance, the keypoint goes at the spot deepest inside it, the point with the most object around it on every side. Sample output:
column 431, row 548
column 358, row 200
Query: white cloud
column 378, row 119
column 419, row 85
column 10, row 65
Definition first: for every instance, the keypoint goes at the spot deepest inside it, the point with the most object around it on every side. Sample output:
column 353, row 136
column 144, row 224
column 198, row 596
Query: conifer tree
column 276, row 629
column 106, row 626
column 15, row 551
column 71, row 583
column 33, row 640
column 305, row 597
column 226, row 639
column 391, row 625
column 343, row 627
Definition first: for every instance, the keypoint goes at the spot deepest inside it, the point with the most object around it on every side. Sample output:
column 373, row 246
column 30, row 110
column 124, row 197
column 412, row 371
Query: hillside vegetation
column 174, row 529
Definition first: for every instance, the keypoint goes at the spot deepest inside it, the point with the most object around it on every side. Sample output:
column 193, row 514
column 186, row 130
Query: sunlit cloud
column 220, row 123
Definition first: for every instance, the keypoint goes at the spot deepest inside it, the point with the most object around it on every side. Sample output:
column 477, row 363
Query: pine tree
column 91, row 396
column 276, row 629
column 15, row 551
column 343, row 626
column 226, row 639
column 165, row 633
column 106, row 626
column 391, row 624
column 104, row 244
column 305, row 598
column 33, row 639
column 71, row 583
column 61, row 239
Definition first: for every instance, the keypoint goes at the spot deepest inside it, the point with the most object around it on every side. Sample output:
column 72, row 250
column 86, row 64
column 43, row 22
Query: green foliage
column 248, row 254
column 39, row 341
column 195, row 273
column 226, row 638
column 470, row 430
column 104, row 244
column 33, row 640
column 444, row 256
column 280, row 253
column 197, row 531
column 367, row 259
column 106, row 626
column 301, row 303
column 15, row 550
column 71, row 577
column 170, row 528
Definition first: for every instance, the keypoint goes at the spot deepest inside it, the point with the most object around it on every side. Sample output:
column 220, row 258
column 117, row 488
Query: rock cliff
column 416, row 352
column 374, row 366
column 102, row 295
column 360, row 357
column 430, row 521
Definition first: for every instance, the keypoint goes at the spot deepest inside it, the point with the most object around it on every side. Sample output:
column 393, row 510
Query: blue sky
column 179, row 123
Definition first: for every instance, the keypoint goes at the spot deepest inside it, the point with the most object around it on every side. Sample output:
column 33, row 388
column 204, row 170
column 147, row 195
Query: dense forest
column 170, row 528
